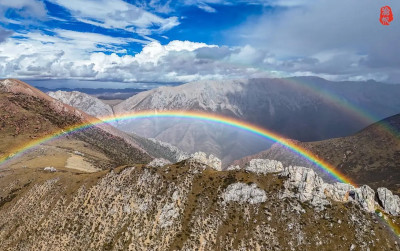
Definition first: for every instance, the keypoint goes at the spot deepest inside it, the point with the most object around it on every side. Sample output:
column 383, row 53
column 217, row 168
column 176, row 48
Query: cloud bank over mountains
column 133, row 41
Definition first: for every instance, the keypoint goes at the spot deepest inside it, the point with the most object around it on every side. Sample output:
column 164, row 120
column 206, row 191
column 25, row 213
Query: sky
column 128, row 43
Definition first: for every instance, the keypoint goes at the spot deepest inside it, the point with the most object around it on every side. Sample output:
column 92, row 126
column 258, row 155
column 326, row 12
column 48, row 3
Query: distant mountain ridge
column 102, row 93
column 300, row 108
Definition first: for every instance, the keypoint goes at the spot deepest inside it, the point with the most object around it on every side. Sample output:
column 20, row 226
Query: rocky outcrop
column 365, row 196
column 211, row 161
column 185, row 206
column 244, row 193
column 305, row 185
column 233, row 168
column 264, row 166
column 389, row 202
column 159, row 162
column 50, row 169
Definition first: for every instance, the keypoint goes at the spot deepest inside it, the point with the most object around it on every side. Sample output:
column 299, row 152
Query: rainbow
column 327, row 96
column 388, row 222
column 322, row 164
column 345, row 106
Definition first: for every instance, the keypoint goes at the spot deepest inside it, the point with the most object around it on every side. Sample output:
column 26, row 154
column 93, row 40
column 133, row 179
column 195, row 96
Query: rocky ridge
column 182, row 206
column 305, row 185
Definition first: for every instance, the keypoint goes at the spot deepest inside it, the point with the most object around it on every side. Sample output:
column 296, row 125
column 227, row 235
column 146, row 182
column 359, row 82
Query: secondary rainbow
column 322, row 164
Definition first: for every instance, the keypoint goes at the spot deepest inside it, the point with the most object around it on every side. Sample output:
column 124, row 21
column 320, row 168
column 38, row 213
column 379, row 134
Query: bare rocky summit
column 185, row 206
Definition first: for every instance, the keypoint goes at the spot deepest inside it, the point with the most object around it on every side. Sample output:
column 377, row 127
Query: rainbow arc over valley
column 194, row 115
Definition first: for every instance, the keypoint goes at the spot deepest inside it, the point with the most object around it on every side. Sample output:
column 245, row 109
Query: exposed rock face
column 366, row 197
column 264, row 166
column 305, row 185
column 211, row 161
column 244, row 193
column 159, row 162
column 389, row 202
column 84, row 102
column 339, row 191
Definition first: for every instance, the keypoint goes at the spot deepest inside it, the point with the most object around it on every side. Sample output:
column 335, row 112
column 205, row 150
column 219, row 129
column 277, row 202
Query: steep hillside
column 186, row 206
column 27, row 114
column 371, row 156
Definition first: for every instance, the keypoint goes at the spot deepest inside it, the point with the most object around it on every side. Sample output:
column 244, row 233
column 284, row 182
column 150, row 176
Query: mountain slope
column 84, row 102
column 371, row 156
column 186, row 206
column 27, row 114
column 290, row 107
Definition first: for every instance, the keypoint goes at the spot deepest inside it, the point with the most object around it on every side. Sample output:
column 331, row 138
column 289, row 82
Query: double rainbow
column 325, row 166
column 322, row 164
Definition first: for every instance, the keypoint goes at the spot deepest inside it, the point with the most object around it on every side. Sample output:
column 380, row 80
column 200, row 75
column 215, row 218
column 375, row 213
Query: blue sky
column 134, row 43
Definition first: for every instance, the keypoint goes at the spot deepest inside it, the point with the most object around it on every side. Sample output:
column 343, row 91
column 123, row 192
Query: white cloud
column 117, row 14
column 25, row 8
column 152, row 52
column 76, row 55
column 342, row 39
column 206, row 8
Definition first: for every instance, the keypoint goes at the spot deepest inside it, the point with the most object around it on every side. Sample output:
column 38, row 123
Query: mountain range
column 301, row 108
column 101, row 189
